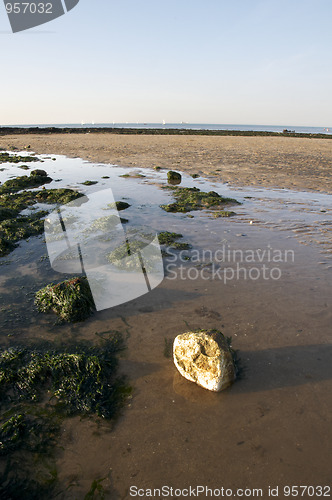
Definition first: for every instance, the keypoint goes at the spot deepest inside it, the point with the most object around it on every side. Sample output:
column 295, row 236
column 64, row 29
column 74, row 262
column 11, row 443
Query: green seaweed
column 77, row 379
column 132, row 175
column 40, row 386
column 174, row 176
column 17, row 228
column 96, row 489
column 8, row 158
column 20, row 201
column 89, row 183
column 71, row 299
column 118, row 256
column 7, row 213
column 188, row 199
column 222, row 213
column 35, row 179
column 169, row 239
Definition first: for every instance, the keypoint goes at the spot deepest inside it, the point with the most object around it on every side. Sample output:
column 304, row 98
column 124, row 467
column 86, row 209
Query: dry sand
column 287, row 162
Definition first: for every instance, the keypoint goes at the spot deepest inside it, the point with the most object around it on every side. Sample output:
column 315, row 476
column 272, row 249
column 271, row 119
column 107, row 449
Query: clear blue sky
column 213, row 61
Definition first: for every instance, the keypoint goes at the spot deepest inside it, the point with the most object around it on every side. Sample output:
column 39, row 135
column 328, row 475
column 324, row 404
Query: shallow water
column 262, row 431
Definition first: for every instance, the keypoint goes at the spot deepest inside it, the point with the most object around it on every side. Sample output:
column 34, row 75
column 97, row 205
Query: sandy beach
column 285, row 162
column 272, row 427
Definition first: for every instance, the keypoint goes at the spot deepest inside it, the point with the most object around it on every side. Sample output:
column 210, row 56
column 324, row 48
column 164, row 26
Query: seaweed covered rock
column 173, row 177
column 7, row 213
column 188, row 199
column 169, row 239
column 71, row 300
column 204, row 357
column 38, row 173
column 35, row 179
column 18, row 227
column 10, row 158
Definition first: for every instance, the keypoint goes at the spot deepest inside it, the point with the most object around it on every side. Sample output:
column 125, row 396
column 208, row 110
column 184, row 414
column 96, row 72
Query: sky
column 260, row 62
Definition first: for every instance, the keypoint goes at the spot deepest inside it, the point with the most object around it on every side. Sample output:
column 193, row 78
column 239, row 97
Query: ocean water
column 193, row 126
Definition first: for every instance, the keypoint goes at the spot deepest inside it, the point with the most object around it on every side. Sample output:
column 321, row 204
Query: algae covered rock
column 188, row 199
column 38, row 173
column 204, row 357
column 71, row 300
column 173, row 177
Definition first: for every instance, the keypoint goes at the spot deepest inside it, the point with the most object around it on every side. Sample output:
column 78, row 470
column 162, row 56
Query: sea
column 190, row 126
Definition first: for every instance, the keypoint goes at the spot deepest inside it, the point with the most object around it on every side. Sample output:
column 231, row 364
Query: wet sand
column 286, row 162
column 273, row 426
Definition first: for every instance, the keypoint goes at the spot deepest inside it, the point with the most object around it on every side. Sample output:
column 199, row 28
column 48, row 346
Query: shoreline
column 257, row 161
column 11, row 130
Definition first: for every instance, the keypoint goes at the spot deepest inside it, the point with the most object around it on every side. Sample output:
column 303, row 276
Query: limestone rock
column 204, row 357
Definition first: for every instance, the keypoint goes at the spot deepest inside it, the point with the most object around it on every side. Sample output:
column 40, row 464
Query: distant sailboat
column 164, row 123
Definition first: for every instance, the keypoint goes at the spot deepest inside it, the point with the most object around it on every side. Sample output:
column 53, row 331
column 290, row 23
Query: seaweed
column 188, row 199
column 35, row 179
column 133, row 175
column 169, row 239
column 71, row 299
column 118, row 257
column 223, row 213
column 121, row 205
column 173, row 177
column 89, row 183
column 39, row 387
column 17, row 228
column 8, row 158
column 7, row 213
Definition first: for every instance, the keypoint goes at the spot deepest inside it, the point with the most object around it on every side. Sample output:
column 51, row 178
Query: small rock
column 173, row 177
column 122, row 205
column 40, row 173
column 204, row 357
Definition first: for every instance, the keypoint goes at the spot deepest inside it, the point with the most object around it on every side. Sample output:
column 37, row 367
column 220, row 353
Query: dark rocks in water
column 7, row 213
column 36, row 178
column 71, row 300
column 18, row 228
column 8, row 158
column 169, row 239
column 89, row 183
column 38, row 173
column 188, row 199
column 173, row 177
column 14, row 226
column 122, row 205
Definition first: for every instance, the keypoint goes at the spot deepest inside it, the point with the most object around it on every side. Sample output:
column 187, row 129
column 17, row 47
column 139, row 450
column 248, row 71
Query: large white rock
column 204, row 357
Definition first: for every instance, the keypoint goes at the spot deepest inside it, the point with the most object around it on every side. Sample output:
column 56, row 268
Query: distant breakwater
column 152, row 131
